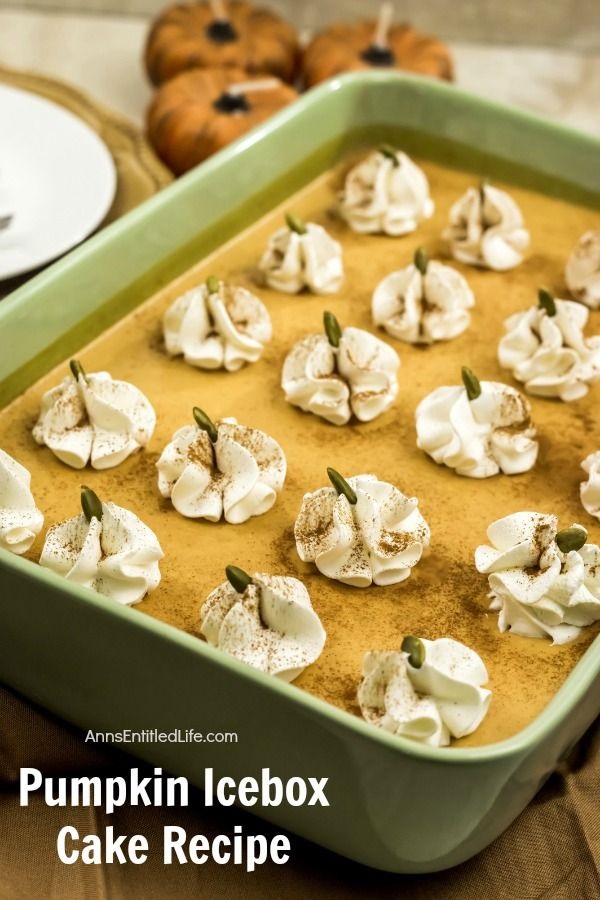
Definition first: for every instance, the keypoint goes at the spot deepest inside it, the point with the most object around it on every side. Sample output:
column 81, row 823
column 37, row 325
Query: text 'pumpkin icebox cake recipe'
column 356, row 448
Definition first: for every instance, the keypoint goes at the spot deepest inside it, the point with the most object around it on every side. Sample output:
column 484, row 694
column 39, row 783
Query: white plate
column 57, row 178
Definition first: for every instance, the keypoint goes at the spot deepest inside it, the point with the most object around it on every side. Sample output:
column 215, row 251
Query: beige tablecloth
column 552, row 851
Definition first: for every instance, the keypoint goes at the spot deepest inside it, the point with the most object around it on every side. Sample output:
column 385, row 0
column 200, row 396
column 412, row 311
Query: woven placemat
column 139, row 173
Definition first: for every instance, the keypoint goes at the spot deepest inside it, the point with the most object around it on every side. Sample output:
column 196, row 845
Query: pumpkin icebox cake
column 346, row 448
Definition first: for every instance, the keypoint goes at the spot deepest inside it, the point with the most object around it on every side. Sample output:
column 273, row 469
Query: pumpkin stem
column 384, row 20
column 295, row 224
column 237, row 578
column 415, row 648
column 341, row 486
column 248, row 87
column 213, row 284
column 234, row 98
column 546, row 301
column 421, row 260
column 90, row 504
column 220, row 30
column 471, row 383
column 572, row 538
column 206, row 424
column 218, row 10
column 332, row 329
column 379, row 53
column 77, row 370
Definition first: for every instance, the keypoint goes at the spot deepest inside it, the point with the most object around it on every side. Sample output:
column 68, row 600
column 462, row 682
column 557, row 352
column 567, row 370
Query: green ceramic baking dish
column 394, row 805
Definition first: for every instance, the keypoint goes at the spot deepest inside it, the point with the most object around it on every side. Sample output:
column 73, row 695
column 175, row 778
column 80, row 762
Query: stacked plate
column 57, row 181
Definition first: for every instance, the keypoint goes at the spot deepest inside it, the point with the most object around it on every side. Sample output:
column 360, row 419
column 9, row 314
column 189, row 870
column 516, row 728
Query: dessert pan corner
column 108, row 668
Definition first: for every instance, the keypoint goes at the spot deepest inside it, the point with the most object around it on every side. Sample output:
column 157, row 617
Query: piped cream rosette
column 302, row 255
column 425, row 302
column 590, row 489
column 217, row 326
column 20, row 520
column 223, row 470
column 429, row 691
column 582, row 272
column 94, row 419
column 385, row 193
column 478, row 430
column 106, row 548
column 486, row 229
column 544, row 347
column 361, row 531
column 340, row 373
column 543, row 582
column 266, row 621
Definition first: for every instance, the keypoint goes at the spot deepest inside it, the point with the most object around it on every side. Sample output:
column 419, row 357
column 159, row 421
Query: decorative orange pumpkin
column 213, row 33
column 373, row 44
column 198, row 112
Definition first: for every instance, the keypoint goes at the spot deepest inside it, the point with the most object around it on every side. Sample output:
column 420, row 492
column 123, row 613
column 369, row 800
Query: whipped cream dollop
column 539, row 589
column 217, row 326
column 487, row 229
column 302, row 255
column 582, row 272
column 590, row 489
column 442, row 698
column 271, row 625
column 386, row 193
column 358, row 376
column 236, row 477
column 548, row 352
column 20, row 520
column 94, row 419
column 423, row 303
column 116, row 555
column 481, row 437
column 372, row 534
